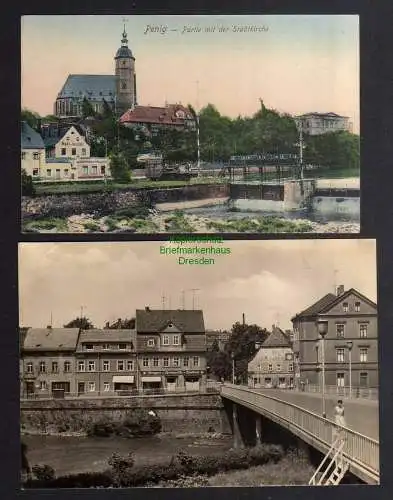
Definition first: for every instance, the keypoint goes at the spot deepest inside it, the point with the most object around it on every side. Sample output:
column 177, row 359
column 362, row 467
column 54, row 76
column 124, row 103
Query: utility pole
column 51, row 319
column 301, row 146
column 335, row 281
column 193, row 290
column 163, row 301
column 81, row 312
column 183, row 299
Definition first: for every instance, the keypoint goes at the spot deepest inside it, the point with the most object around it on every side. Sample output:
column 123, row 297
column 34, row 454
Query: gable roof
column 324, row 304
column 51, row 339
column 157, row 115
column 30, row 139
column 330, row 114
column 277, row 339
column 107, row 335
column 93, row 87
column 153, row 321
column 53, row 133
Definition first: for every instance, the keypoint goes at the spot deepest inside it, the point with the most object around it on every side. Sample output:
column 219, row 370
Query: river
column 71, row 455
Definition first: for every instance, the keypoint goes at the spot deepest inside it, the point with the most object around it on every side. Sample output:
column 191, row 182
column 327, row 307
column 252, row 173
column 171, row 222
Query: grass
column 46, row 225
column 92, row 227
column 260, row 225
column 177, row 223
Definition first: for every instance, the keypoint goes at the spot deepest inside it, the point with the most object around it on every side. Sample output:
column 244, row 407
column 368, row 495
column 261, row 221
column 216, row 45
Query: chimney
column 244, row 319
column 107, row 325
column 49, row 327
column 147, row 309
column 340, row 290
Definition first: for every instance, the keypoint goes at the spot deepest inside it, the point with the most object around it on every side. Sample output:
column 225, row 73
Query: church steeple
column 125, row 73
column 124, row 40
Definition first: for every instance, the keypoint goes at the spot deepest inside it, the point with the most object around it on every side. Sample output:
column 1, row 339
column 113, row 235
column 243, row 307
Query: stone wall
column 105, row 203
column 178, row 413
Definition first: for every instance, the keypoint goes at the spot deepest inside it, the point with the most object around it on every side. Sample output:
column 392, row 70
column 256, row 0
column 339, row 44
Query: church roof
column 93, row 87
column 277, row 339
column 30, row 139
column 124, row 52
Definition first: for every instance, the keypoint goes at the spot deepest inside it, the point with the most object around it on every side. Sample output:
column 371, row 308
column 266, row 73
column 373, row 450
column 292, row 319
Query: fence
column 344, row 392
column 211, row 387
column 359, row 450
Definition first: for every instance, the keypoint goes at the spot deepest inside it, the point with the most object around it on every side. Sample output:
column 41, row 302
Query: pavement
column 361, row 415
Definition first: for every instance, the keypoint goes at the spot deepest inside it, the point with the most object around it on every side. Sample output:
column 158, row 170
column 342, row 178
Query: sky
column 295, row 63
column 268, row 281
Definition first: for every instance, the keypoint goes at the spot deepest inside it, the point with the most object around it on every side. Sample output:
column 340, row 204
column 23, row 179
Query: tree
column 30, row 117
column 87, row 109
column 126, row 324
column 119, row 167
column 334, row 150
column 83, row 323
column 28, row 188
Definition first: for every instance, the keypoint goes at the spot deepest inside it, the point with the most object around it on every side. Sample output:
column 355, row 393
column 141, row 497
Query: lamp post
column 350, row 345
column 322, row 327
column 233, row 367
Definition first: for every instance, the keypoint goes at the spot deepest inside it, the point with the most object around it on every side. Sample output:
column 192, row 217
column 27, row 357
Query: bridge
column 300, row 413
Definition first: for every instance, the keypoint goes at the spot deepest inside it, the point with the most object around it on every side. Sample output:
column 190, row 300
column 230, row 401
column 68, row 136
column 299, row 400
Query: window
column 345, row 307
column 176, row 361
column 340, row 379
column 165, row 340
column 94, row 169
column 278, row 367
column 107, row 386
column 270, row 368
column 23, row 155
column 73, row 152
column 55, row 367
column 186, row 361
column 67, row 366
column 363, row 354
column 363, row 379
column 83, row 151
column 29, row 368
column 66, row 172
column 290, row 367
column 155, row 362
column 123, row 85
column 36, row 156
column 43, row 385
column 85, row 170
column 176, row 340
column 105, row 347
column 35, row 172
column 268, row 381
column 340, row 355
column 166, row 361
column 89, row 347
column 122, row 347
column 105, row 366
column 48, row 172
column 103, row 169
column 195, row 361
column 63, row 151
column 340, row 330
column 150, row 343
column 92, row 386
column 145, row 362
column 42, row 367
column 120, row 366
column 363, row 330
column 130, row 365
column 92, row 366
column 81, row 366
column 357, row 307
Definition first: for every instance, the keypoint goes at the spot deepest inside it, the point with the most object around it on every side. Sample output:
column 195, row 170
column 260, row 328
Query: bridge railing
column 345, row 392
column 359, row 449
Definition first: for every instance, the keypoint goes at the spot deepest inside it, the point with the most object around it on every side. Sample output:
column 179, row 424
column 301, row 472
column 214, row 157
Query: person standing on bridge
column 339, row 419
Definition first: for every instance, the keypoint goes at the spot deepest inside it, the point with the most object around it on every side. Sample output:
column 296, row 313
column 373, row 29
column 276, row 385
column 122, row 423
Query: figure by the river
column 26, row 471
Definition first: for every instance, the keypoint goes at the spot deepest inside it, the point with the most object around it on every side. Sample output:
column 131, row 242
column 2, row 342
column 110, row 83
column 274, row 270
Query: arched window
column 123, row 85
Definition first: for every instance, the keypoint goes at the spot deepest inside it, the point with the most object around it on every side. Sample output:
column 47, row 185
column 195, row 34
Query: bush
column 101, row 428
column 43, row 472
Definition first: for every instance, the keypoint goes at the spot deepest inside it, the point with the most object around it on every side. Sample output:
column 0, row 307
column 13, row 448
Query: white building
column 32, row 151
column 322, row 123
column 67, row 156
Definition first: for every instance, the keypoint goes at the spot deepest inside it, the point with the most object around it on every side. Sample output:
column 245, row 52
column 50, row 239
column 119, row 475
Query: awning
column 123, row 379
column 151, row 379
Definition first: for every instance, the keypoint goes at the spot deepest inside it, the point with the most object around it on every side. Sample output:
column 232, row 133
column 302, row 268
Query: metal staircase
column 333, row 467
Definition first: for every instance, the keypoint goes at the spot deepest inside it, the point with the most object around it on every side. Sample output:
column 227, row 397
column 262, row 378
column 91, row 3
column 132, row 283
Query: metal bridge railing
column 344, row 392
column 359, row 450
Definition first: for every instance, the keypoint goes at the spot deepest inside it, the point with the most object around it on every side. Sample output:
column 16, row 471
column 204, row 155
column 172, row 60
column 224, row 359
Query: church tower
column 125, row 77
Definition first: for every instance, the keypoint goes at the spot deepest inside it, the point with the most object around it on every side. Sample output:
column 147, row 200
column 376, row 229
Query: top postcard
column 190, row 124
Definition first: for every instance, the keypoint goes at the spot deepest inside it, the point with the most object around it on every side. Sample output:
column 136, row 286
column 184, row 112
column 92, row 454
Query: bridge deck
column 301, row 414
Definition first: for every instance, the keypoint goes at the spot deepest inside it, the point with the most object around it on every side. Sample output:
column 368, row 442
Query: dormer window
column 170, row 325
column 89, row 347
column 165, row 340
column 176, row 340
column 345, row 307
column 150, row 343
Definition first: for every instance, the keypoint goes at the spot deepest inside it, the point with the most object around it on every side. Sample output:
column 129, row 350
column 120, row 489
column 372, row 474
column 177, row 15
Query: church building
column 118, row 90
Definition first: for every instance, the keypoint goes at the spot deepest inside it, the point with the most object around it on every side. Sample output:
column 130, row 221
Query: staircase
column 333, row 467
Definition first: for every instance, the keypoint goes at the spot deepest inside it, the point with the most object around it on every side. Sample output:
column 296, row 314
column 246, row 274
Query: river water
column 71, row 455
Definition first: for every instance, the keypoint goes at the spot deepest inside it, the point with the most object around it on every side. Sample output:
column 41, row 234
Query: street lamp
column 350, row 345
column 233, row 367
column 322, row 327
